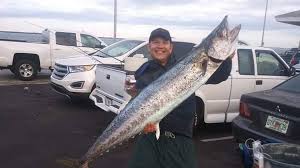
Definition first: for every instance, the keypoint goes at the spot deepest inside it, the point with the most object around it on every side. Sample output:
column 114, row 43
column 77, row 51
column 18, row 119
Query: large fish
column 159, row 98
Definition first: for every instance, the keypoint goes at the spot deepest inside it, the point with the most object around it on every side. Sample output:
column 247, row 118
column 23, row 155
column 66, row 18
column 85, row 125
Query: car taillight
column 244, row 110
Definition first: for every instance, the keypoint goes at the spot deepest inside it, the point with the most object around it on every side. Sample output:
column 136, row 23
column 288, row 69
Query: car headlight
column 80, row 68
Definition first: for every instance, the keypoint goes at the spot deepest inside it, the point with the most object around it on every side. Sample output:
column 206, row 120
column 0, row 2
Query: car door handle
column 56, row 49
column 107, row 76
column 259, row 82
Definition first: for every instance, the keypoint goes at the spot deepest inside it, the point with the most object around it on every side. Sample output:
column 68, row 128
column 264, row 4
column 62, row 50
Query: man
column 174, row 148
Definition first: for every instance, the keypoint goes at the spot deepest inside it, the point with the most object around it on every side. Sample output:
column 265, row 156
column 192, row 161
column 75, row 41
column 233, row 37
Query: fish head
column 221, row 42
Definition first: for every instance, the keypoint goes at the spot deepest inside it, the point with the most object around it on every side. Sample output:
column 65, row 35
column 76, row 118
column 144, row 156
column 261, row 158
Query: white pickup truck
column 25, row 54
column 253, row 69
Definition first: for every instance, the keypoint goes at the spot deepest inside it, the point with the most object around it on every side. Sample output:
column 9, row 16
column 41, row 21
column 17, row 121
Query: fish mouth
column 233, row 37
column 222, row 42
column 231, row 34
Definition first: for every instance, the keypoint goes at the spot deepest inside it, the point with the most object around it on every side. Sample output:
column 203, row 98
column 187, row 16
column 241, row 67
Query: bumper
column 61, row 90
column 66, row 85
column 4, row 63
column 241, row 130
column 107, row 102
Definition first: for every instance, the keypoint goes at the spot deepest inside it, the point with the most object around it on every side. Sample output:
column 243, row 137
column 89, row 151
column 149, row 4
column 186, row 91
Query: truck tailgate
column 111, row 80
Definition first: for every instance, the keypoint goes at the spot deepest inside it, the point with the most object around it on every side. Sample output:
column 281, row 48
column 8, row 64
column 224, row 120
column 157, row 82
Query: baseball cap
column 160, row 32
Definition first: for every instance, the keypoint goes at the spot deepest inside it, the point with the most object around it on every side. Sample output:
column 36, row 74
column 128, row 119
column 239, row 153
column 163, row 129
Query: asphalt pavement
column 8, row 78
column 39, row 126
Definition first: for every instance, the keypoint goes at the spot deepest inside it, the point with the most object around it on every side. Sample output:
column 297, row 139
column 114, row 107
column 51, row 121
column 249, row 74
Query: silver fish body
column 164, row 94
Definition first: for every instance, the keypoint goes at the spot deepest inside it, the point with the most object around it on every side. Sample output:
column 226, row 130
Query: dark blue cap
column 160, row 32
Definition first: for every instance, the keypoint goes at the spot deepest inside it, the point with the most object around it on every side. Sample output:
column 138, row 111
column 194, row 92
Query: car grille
column 60, row 71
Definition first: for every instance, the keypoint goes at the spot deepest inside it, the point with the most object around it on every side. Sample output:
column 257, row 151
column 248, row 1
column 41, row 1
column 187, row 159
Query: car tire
column 12, row 70
column 25, row 70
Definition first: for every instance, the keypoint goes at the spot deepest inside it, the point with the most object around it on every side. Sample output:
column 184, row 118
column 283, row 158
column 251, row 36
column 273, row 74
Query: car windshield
column 110, row 40
column 118, row 48
column 291, row 85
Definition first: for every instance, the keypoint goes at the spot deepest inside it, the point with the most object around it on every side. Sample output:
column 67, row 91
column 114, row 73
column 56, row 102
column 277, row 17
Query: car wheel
column 25, row 70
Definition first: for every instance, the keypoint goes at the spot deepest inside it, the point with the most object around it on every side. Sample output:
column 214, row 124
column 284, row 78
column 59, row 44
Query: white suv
column 75, row 77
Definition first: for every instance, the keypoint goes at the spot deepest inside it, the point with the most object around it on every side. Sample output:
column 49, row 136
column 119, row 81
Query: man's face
column 160, row 49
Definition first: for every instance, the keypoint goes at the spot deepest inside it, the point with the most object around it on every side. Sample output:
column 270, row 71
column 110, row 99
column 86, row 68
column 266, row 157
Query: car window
column 118, row 48
column 246, row 63
column 287, row 57
column 268, row 64
column 66, row 39
column 23, row 37
column 291, row 85
column 89, row 41
column 110, row 40
column 143, row 50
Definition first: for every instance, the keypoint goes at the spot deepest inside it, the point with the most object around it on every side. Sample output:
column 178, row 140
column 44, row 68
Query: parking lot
column 7, row 78
column 39, row 126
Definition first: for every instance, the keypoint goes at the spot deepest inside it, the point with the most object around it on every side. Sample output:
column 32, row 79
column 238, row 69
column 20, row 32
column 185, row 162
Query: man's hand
column 149, row 128
column 130, row 87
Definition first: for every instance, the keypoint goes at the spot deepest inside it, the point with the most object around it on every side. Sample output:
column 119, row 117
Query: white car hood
column 86, row 60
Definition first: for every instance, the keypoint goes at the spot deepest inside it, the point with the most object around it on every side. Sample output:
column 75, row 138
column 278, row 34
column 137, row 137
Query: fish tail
column 70, row 163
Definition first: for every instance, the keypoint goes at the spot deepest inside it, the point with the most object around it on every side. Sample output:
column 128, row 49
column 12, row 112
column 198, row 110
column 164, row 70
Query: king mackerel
column 159, row 98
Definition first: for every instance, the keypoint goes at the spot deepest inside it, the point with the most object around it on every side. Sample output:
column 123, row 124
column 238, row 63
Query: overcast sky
column 188, row 20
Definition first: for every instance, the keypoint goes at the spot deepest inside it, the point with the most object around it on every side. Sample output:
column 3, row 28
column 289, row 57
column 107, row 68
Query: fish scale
column 160, row 97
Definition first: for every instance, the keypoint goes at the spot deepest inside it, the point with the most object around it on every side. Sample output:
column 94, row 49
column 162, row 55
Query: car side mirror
column 292, row 71
column 131, row 64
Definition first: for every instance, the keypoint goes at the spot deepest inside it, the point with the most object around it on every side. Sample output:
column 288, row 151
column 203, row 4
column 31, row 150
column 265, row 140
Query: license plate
column 277, row 124
column 108, row 101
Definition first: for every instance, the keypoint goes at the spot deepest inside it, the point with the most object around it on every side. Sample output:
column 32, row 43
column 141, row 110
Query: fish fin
column 235, row 32
column 70, row 163
column 157, row 133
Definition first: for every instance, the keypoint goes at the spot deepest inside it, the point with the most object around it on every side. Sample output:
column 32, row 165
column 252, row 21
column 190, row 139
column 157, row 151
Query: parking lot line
column 10, row 83
column 216, row 139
